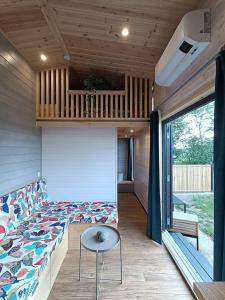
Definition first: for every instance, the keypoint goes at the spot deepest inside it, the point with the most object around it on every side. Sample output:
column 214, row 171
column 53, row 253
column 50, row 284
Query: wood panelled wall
column 55, row 101
column 52, row 93
column 204, row 83
column 141, row 166
column 20, row 140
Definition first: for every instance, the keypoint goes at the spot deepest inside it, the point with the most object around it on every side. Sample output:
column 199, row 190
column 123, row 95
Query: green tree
column 192, row 136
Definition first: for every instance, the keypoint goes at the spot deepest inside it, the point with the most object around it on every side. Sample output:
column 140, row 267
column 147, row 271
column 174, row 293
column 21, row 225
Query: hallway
column 148, row 270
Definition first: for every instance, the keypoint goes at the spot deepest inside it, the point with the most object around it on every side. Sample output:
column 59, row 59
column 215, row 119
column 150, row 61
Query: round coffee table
column 89, row 241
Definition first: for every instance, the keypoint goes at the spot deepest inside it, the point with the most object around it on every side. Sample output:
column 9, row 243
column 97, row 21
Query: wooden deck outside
column 149, row 272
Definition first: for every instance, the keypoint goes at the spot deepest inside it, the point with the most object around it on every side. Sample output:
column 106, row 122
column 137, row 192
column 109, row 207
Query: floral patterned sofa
column 31, row 228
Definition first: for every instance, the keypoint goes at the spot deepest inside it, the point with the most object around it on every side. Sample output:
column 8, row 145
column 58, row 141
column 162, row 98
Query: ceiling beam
column 50, row 19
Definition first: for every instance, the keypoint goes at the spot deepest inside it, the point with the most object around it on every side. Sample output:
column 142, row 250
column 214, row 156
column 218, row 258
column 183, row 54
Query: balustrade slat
column 72, row 105
column 140, row 98
column 42, row 94
column 111, row 106
column 101, row 106
column 92, row 107
column 52, row 94
column 86, row 106
column 116, row 106
column 62, row 93
column 131, row 97
column 121, row 106
column 57, row 93
column 38, row 96
column 82, row 106
column 126, row 96
column 77, row 106
column 47, row 94
column 66, row 91
column 106, row 106
column 146, row 99
column 135, row 97
column 96, row 106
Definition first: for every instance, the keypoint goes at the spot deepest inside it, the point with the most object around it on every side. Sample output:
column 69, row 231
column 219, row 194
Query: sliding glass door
column 188, row 183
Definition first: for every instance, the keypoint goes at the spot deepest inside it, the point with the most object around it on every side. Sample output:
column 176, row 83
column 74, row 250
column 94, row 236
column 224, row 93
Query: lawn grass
column 202, row 206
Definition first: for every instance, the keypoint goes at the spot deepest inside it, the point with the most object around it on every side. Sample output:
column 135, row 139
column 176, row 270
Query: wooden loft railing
column 101, row 105
column 56, row 102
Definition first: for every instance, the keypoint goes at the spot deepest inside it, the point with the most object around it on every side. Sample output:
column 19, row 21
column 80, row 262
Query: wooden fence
column 192, row 178
column 55, row 100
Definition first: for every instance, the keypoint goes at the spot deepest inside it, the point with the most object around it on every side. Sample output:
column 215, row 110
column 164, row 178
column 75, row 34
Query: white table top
column 90, row 242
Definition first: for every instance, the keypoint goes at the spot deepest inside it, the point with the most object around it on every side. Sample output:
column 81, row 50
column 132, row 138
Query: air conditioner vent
column 185, row 47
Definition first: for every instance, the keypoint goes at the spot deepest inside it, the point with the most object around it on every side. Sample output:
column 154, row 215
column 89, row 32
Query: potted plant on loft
column 91, row 85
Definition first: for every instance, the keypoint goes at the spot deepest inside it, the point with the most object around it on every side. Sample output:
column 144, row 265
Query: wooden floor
column 149, row 272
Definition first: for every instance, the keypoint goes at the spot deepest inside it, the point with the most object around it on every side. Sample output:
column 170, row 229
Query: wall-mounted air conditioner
column 190, row 39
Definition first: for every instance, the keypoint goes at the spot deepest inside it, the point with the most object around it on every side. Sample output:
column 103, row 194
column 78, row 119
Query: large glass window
column 188, row 184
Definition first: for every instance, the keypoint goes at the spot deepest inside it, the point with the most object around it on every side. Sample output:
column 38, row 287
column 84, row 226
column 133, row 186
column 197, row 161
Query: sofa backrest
column 18, row 205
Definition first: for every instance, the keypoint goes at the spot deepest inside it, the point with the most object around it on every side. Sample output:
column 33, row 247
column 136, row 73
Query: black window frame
column 167, row 160
column 201, row 266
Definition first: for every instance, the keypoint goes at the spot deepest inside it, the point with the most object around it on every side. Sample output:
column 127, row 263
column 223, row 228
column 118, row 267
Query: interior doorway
column 125, row 165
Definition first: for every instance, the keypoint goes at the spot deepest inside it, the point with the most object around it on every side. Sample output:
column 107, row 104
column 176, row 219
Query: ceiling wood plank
column 49, row 17
column 90, row 32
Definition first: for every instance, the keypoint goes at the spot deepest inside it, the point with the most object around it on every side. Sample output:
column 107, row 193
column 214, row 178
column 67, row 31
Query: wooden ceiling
column 129, row 132
column 90, row 32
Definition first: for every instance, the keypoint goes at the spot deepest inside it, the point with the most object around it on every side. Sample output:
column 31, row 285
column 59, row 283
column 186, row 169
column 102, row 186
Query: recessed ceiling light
column 67, row 57
column 43, row 57
column 132, row 130
column 125, row 31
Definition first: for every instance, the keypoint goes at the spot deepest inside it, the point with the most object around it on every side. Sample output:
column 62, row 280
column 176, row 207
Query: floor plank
column 149, row 272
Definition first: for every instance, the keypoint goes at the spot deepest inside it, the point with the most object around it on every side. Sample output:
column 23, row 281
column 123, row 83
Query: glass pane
column 192, row 168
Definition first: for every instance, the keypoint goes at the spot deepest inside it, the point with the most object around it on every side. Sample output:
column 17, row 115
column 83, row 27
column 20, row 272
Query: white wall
column 20, row 139
column 80, row 164
column 141, row 166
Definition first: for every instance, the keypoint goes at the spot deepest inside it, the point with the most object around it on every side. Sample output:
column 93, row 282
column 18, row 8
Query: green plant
column 93, row 83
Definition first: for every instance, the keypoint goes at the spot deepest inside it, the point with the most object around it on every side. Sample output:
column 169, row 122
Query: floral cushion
column 83, row 212
column 19, row 205
column 25, row 252
column 37, row 195
column 13, row 209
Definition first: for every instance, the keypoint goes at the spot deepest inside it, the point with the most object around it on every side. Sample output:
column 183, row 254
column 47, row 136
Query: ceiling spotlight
column 132, row 130
column 43, row 57
column 125, row 31
column 67, row 57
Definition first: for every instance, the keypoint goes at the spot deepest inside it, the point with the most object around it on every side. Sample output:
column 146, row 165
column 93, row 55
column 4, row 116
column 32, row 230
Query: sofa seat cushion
column 83, row 212
column 20, row 204
column 24, row 254
column 36, row 195
column 13, row 209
